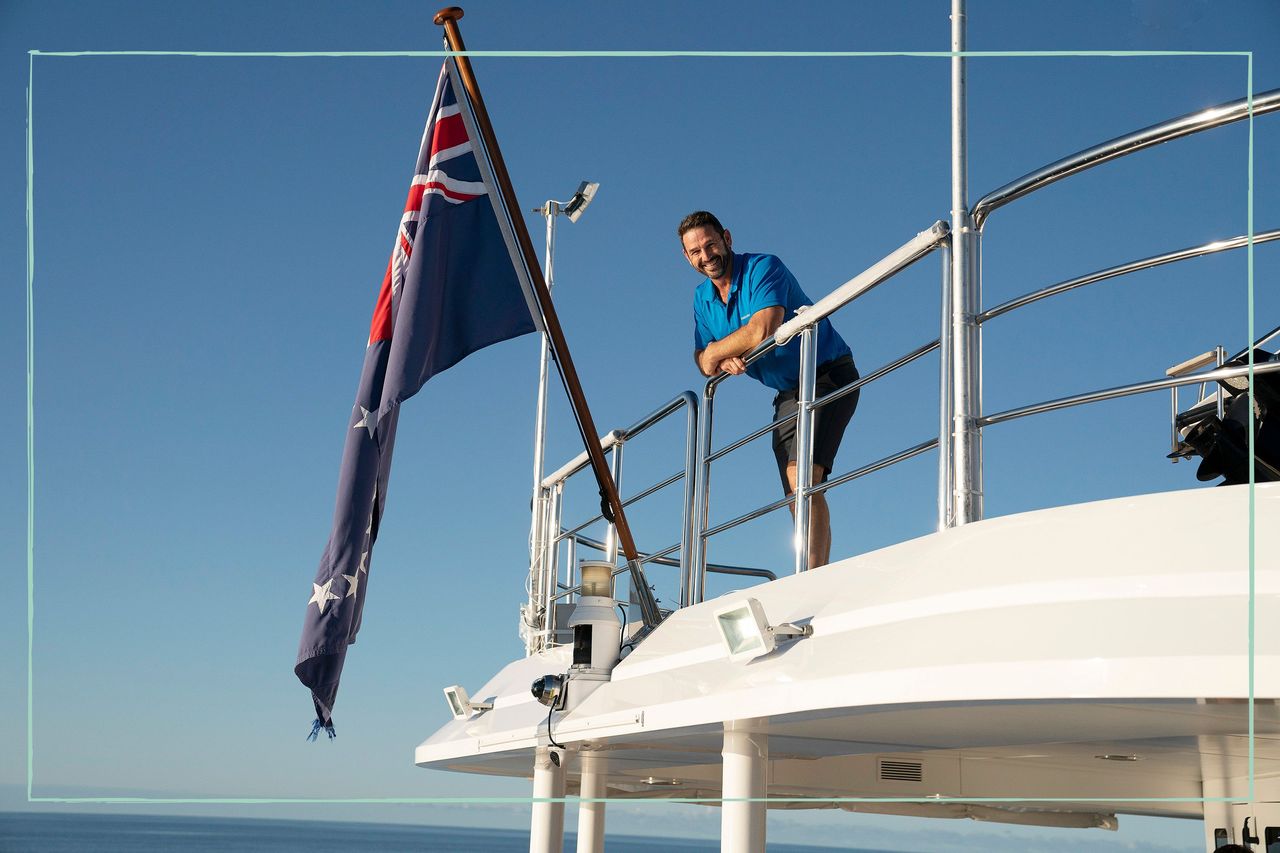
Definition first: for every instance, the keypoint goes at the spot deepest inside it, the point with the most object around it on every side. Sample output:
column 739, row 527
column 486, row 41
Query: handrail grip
column 1126, row 391
column 1120, row 146
column 888, row 266
column 1124, row 269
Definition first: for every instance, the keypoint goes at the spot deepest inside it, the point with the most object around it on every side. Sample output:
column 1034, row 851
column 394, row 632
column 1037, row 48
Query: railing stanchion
column 1220, row 357
column 701, row 506
column 611, row 532
column 689, row 530
column 946, row 512
column 804, row 443
column 965, row 300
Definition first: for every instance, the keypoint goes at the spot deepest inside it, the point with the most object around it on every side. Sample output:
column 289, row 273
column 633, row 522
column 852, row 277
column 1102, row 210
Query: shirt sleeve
column 765, row 283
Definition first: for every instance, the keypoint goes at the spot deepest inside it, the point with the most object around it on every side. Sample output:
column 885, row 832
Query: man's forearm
column 741, row 342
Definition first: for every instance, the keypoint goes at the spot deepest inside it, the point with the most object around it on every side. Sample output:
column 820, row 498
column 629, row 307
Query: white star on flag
column 353, row 583
column 364, row 563
column 321, row 596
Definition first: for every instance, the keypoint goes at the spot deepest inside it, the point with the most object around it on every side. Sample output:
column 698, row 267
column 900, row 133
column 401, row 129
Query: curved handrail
column 1128, row 390
column 1165, row 131
column 1124, row 269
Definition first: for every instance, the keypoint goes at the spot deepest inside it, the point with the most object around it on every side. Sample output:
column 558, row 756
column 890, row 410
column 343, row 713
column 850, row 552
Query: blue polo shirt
column 761, row 281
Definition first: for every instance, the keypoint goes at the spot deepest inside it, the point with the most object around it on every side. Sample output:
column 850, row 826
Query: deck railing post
column 689, row 532
column 611, row 533
column 700, row 520
column 946, row 510
column 804, row 443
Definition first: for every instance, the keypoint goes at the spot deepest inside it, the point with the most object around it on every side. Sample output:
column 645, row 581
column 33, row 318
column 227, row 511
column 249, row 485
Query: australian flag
column 456, row 282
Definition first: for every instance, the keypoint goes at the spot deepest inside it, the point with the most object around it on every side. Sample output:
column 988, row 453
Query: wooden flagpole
column 448, row 18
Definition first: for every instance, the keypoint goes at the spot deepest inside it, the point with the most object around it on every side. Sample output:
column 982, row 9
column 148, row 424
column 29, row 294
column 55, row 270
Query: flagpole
column 448, row 18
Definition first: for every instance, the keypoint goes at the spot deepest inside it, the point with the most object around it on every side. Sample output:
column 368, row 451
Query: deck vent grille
column 901, row 771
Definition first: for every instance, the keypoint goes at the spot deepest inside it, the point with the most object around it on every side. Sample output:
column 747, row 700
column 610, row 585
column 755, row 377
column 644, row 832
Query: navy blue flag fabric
column 455, row 283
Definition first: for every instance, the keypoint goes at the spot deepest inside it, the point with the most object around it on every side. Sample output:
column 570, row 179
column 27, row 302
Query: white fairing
column 999, row 659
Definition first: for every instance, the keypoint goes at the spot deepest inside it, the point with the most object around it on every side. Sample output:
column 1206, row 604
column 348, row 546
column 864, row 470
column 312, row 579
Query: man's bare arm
column 726, row 354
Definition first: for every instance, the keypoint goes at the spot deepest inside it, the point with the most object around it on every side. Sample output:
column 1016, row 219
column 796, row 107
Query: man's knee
column 815, row 476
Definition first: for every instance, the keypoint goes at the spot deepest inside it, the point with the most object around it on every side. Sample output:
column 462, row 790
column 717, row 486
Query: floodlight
column 549, row 690
column 576, row 205
column 460, row 704
column 747, row 633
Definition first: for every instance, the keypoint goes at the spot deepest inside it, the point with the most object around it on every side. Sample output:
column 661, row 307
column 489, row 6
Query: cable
column 551, row 709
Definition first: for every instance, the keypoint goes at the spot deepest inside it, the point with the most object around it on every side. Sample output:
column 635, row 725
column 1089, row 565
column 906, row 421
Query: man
column 743, row 301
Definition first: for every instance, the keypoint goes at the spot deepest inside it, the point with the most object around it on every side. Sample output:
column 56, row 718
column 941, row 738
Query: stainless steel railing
column 804, row 324
column 545, row 588
column 1122, row 146
column 960, row 423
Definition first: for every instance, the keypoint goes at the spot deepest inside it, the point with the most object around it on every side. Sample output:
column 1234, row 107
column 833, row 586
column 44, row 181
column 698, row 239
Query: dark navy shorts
column 829, row 422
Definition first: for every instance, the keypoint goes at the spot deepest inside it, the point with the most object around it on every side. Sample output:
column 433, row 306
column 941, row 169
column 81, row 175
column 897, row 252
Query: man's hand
column 726, row 354
column 734, row 365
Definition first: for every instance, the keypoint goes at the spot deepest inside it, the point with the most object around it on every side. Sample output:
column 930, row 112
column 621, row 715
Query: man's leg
column 819, row 518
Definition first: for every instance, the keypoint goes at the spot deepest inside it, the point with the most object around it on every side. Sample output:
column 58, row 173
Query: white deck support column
column 746, row 762
column 591, row 815
column 546, row 829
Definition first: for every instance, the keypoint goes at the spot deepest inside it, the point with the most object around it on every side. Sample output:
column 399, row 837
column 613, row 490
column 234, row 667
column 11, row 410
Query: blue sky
column 210, row 234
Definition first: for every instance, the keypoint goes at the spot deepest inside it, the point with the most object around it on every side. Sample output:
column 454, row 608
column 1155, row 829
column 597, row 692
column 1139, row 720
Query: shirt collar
column 709, row 291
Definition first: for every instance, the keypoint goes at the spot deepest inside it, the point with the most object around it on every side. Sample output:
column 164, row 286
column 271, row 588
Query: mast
column 965, row 298
column 610, row 503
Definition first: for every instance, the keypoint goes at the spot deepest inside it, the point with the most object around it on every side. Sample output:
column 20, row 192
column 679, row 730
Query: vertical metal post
column 702, row 503
column 804, row 443
column 570, row 565
column 611, row 533
column 965, row 342
column 1220, row 358
column 744, row 784
column 591, row 814
column 946, row 513
column 1173, row 421
column 546, row 826
column 539, row 525
column 689, row 531
column 555, row 506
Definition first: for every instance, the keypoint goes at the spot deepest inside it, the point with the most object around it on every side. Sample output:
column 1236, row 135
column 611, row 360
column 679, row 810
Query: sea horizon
column 72, row 832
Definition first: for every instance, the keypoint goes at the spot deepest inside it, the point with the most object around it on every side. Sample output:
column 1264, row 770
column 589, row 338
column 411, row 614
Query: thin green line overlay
column 31, row 435
column 637, row 54
column 543, row 54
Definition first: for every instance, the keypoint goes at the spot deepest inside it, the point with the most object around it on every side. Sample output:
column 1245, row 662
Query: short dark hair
column 697, row 219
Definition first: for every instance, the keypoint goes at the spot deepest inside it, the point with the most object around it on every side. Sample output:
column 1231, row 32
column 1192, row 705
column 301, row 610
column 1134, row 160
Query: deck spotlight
column 575, row 206
column 460, row 704
column 549, row 690
column 747, row 633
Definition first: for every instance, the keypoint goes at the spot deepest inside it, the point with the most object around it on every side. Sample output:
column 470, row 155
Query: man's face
column 707, row 251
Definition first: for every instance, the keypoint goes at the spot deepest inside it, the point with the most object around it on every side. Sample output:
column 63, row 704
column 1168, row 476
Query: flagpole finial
column 448, row 13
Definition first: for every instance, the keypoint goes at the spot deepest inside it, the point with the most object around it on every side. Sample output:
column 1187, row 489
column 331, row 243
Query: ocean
column 22, row 832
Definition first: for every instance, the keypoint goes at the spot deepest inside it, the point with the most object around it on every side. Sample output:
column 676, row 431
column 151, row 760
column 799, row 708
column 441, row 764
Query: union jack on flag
column 456, row 282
